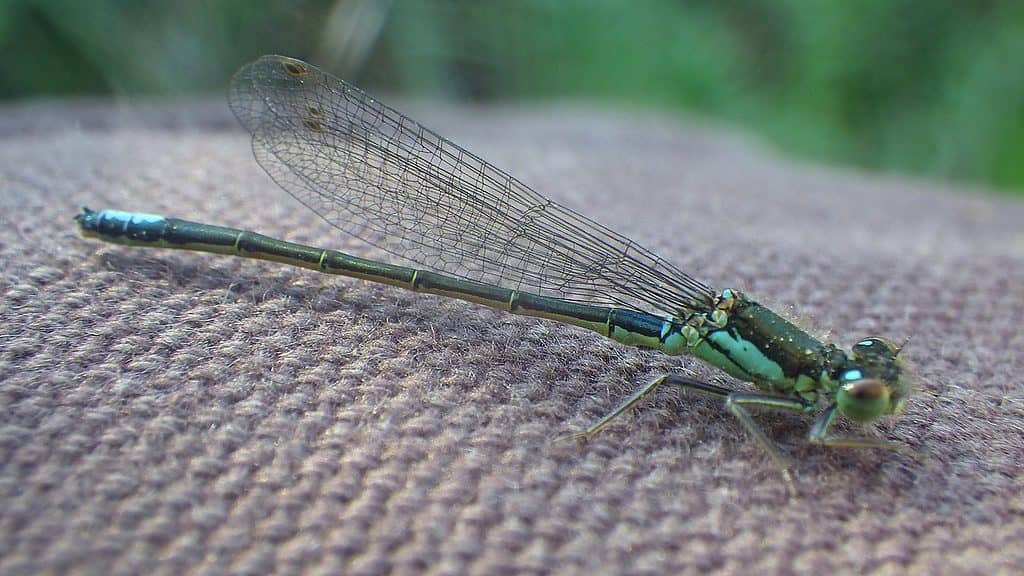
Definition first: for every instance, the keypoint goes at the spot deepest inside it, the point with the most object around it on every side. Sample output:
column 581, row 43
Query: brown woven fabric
column 167, row 411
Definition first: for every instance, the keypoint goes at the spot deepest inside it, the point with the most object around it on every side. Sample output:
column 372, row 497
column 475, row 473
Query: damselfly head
column 873, row 383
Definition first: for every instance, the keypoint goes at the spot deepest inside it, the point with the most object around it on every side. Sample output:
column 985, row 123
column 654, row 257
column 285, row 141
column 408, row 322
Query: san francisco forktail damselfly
column 483, row 236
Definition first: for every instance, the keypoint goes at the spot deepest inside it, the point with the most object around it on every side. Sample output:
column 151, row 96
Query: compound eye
column 862, row 399
column 865, row 389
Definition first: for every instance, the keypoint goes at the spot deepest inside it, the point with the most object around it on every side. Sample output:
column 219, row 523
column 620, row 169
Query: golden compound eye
column 293, row 68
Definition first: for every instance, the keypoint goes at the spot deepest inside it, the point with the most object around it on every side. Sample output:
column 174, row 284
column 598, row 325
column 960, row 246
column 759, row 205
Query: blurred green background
column 927, row 87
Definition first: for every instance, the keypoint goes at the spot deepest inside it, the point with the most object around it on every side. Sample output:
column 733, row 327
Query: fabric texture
column 169, row 411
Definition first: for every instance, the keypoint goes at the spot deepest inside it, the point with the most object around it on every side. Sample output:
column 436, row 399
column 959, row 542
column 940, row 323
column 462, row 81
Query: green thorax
column 752, row 343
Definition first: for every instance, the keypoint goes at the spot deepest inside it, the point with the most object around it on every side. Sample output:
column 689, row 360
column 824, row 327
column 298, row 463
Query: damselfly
column 485, row 237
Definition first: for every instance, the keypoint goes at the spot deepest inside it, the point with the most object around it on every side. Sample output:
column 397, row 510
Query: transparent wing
column 375, row 173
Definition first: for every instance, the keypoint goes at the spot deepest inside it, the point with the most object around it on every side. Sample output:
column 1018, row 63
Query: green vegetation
column 934, row 87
